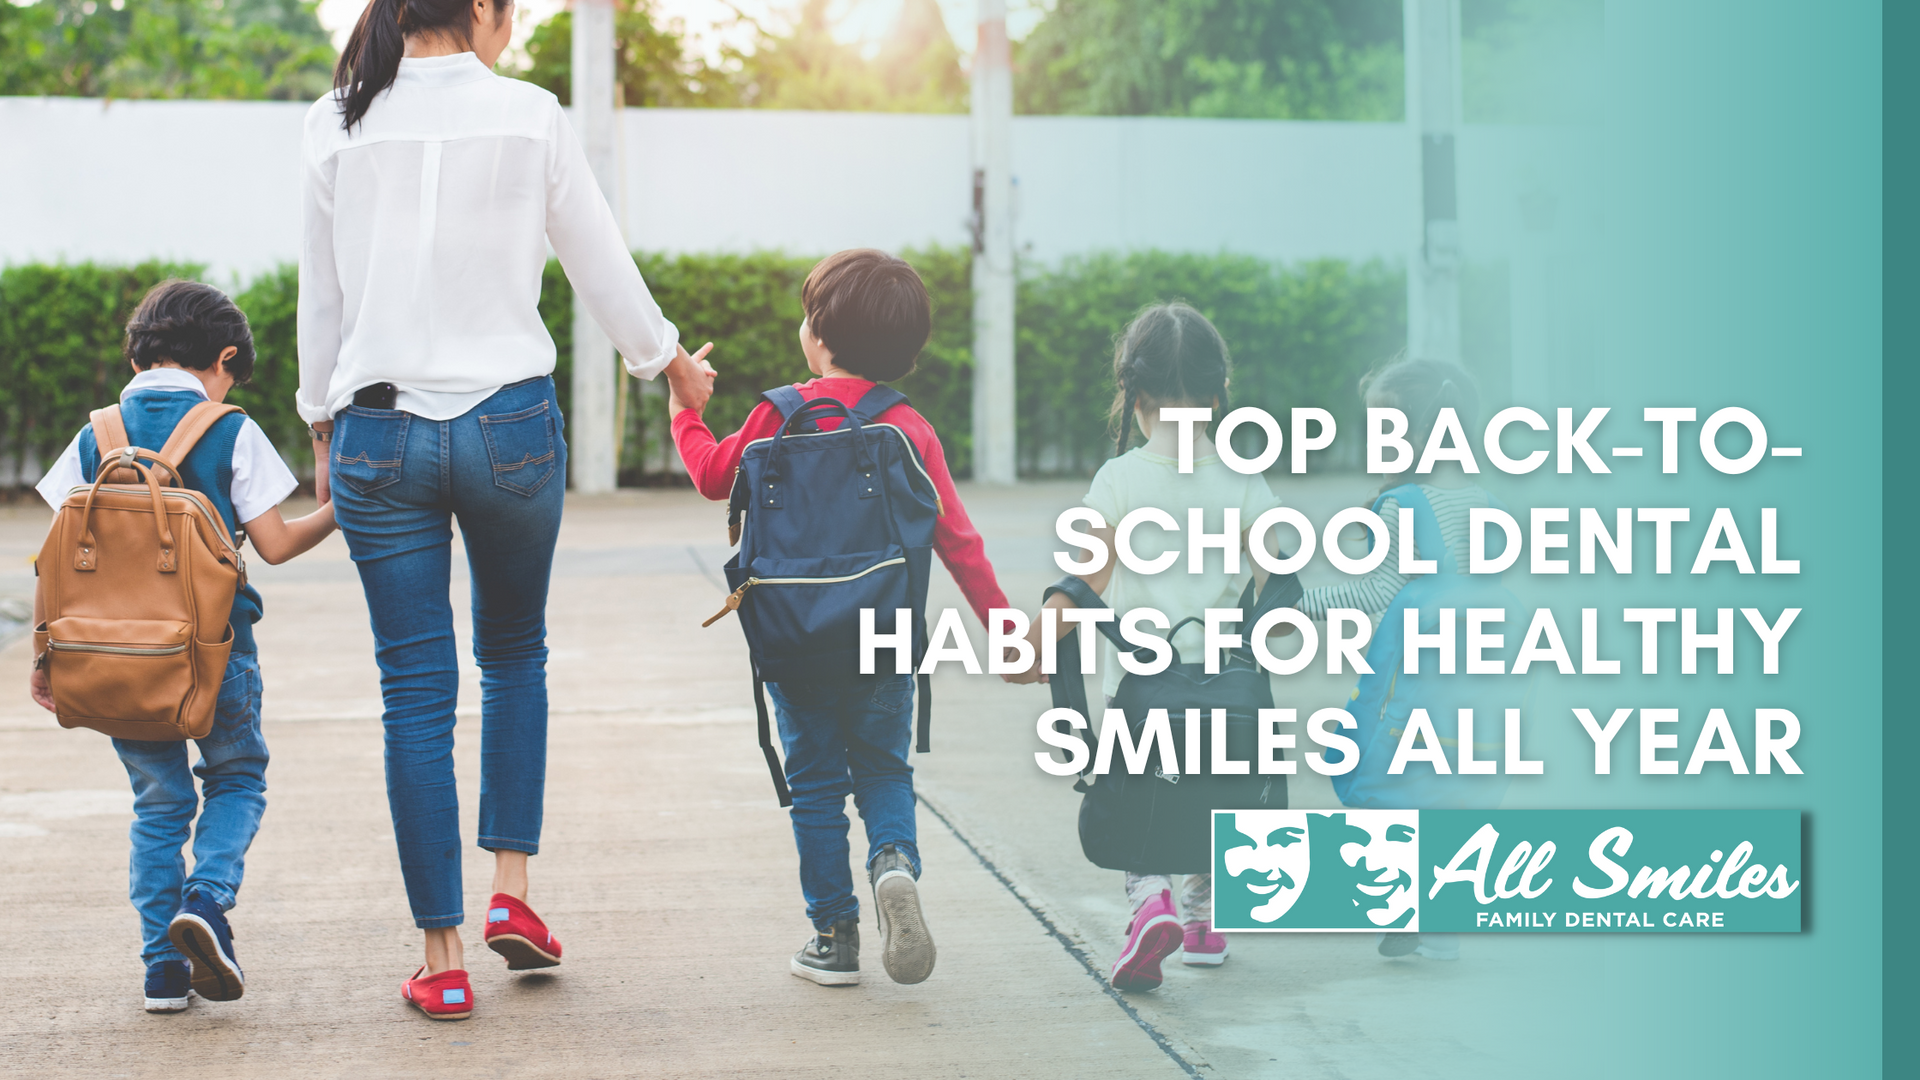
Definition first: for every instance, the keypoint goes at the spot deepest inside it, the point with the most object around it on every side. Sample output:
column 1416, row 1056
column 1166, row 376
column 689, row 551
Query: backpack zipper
column 117, row 650
column 734, row 598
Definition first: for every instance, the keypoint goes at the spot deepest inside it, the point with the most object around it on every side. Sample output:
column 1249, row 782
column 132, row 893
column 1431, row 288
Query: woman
column 432, row 189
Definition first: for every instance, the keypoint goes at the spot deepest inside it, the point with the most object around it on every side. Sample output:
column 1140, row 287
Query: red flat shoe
column 445, row 996
column 515, row 932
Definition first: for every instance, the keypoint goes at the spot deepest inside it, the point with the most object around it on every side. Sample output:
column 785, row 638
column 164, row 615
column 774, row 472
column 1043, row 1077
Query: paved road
column 669, row 873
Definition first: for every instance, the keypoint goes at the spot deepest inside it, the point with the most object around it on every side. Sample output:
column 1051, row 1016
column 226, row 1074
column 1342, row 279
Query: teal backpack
column 1384, row 700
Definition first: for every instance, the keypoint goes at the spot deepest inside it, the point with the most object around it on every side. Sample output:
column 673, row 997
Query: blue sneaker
column 201, row 931
column 167, row 986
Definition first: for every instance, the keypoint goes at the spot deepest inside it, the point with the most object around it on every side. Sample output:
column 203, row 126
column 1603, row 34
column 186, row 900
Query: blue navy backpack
column 1384, row 700
column 828, row 523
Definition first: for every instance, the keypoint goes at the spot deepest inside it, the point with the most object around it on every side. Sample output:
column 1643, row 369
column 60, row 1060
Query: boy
column 188, row 343
column 867, row 318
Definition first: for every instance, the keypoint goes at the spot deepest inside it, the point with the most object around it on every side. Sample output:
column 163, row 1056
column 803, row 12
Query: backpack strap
column 1426, row 525
column 766, row 739
column 109, row 437
column 878, row 399
column 198, row 421
column 109, row 431
column 787, row 399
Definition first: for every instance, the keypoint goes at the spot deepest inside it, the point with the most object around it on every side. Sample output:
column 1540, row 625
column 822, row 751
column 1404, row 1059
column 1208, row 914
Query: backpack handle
column 801, row 417
column 127, row 457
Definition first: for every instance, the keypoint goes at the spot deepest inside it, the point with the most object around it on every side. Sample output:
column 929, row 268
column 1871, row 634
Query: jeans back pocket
column 520, row 446
column 368, row 447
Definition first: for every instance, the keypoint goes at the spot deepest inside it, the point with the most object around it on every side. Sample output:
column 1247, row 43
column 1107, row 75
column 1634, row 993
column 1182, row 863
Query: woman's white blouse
column 426, row 233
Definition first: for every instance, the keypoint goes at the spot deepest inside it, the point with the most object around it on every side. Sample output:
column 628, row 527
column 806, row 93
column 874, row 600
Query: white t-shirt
column 1141, row 478
column 261, row 481
column 425, row 236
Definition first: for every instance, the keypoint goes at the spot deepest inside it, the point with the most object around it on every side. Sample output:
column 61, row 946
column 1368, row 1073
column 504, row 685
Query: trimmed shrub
column 1300, row 335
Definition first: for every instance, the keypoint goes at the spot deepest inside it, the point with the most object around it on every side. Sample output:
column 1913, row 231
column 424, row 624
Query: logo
column 1314, row 870
column 1447, row 871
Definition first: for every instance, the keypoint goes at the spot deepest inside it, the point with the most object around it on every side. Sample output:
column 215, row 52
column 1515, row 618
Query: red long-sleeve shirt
column 712, row 464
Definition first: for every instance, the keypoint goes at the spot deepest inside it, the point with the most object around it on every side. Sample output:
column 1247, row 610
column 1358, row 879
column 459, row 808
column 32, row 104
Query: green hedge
column 1300, row 335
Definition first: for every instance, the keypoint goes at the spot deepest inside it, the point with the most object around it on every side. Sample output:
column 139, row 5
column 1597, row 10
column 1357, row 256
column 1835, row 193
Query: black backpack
column 1153, row 822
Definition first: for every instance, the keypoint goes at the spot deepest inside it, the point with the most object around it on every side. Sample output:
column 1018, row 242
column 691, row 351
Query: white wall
column 218, row 182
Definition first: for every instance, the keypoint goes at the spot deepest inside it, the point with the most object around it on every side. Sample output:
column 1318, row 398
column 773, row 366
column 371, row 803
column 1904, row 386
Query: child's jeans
column 841, row 739
column 233, row 781
column 1196, row 893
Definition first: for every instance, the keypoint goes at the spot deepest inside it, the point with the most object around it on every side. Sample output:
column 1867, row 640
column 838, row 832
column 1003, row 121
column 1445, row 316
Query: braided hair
column 1170, row 355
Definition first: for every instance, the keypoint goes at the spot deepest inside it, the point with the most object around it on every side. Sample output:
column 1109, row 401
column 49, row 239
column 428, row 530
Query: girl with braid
column 1169, row 356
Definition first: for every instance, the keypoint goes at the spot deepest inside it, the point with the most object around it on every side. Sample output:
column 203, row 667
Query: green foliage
column 1272, row 59
column 651, row 63
column 61, row 330
column 271, row 302
column 1299, row 336
column 748, row 305
column 229, row 49
column 802, row 66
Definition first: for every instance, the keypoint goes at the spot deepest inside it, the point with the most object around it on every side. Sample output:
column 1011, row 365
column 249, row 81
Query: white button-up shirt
column 261, row 481
column 426, row 233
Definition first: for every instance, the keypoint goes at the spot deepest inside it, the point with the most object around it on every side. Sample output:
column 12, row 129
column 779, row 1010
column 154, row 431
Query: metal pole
column 591, row 445
column 1433, row 278
column 993, row 270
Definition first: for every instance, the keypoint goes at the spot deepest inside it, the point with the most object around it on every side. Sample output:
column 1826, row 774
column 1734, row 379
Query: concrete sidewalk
column 669, row 872
column 667, row 869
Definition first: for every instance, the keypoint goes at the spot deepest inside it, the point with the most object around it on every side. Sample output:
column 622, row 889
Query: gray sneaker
column 906, row 949
column 831, row 957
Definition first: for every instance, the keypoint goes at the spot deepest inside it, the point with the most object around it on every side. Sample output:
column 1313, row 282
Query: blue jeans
column 841, row 739
column 398, row 483
column 233, row 781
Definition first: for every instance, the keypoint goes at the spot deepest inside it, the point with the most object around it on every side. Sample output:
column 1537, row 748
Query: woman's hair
column 871, row 310
column 372, row 57
column 1420, row 389
column 190, row 324
column 1171, row 355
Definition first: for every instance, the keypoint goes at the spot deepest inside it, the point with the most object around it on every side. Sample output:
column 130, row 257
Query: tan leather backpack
column 137, row 582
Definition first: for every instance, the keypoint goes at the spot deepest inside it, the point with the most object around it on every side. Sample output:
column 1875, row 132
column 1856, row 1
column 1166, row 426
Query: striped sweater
column 1374, row 592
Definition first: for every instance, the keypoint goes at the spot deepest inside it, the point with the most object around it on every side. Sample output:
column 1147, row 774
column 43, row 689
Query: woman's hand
column 1032, row 674
column 322, row 457
column 689, row 380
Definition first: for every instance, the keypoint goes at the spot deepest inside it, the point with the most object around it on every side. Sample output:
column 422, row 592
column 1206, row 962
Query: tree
column 1276, row 59
column 916, row 67
column 247, row 49
column 651, row 63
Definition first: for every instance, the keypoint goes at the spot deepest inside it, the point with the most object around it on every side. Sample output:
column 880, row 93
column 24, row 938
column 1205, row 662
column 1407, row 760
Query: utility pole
column 591, row 420
column 993, row 276
column 1432, row 53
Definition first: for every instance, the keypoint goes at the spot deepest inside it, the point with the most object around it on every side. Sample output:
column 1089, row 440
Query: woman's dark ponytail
column 371, row 59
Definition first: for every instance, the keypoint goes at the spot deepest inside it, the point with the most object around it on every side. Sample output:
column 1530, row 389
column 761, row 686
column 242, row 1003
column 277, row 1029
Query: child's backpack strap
column 188, row 432
column 109, row 431
column 1426, row 525
column 787, row 399
column 877, row 400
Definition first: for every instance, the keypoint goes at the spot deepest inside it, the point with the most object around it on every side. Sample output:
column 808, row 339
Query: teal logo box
column 1507, row 871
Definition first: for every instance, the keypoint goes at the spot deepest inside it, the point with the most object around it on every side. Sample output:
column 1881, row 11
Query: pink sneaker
column 1204, row 948
column 1152, row 937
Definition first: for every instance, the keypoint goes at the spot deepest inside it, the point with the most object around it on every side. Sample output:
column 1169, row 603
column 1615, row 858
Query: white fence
column 218, row 182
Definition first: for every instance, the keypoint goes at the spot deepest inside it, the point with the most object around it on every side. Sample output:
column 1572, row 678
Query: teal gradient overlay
column 1901, row 635
column 1715, row 242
